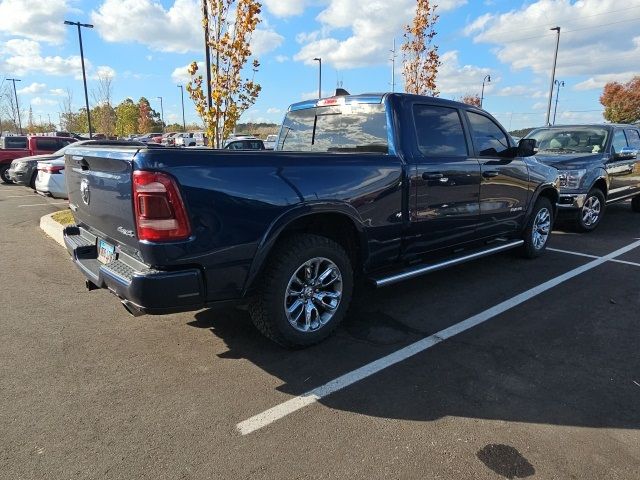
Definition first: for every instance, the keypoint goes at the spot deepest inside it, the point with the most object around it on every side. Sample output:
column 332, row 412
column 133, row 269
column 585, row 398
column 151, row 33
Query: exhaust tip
column 133, row 310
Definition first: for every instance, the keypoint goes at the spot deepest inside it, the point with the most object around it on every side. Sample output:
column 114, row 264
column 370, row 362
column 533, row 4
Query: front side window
column 619, row 141
column 488, row 138
column 339, row 128
column 633, row 137
column 439, row 131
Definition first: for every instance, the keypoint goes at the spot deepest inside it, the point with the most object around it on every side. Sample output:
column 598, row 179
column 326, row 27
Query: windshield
column 570, row 140
column 342, row 128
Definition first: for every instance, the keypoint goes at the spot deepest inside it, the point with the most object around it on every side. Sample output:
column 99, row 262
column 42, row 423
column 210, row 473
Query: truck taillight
column 160, row 212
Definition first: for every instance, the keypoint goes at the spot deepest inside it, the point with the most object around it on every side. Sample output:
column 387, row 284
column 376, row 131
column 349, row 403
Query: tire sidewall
column 281, row 281
column 530, row 250
column 579, row 219
column 4, row 175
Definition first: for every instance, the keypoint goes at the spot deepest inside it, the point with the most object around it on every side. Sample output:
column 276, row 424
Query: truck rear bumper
column 141, row 289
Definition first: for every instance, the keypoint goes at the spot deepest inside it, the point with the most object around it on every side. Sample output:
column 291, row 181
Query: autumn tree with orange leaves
column 471, row 99
column 229, row 25
column 420, row 54
column 621, row 101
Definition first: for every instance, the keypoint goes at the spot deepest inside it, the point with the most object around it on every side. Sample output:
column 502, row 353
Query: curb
column 52, row 228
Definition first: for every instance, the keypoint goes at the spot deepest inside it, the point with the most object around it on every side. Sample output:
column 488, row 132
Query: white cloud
column 599, row 81
column 587, row 45
column 454, row 78
column 174, row 29
column 20, row 57
column 281, row 58
column 177, row 29
column 286, row 8
column 373, row 25
column 41, row 20
column 58, row 92
column 104, row 71
column 34, row 88
column 39, row 101
column 274, row 110
column 180, row 75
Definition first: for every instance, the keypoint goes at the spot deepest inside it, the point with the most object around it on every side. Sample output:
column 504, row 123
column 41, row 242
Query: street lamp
column 84, row 74
column 184, row 124
column 486, row 79
column 319, row 60
column 161, row 113
column 558, row 84
column 553, row 73
column 15, row 93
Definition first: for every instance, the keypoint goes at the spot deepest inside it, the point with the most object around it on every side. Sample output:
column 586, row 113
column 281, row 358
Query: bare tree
column 103, row 113
column 8, row 105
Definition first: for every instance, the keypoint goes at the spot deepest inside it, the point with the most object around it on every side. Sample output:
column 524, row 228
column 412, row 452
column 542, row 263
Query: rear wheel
column 635, row 204
column 591, row 213
column 4, row 174
column 538, row 231
column 304, row 291
column 32, row 183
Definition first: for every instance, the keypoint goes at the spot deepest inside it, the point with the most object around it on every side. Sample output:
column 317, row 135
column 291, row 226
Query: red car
column 27, row 146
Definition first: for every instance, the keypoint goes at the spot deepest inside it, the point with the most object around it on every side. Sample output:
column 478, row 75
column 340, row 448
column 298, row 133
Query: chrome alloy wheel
column 541, row 228
column 591, row 211
column 313, row 294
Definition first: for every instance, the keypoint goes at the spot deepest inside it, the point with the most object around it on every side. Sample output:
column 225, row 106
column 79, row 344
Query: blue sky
column 146, row 44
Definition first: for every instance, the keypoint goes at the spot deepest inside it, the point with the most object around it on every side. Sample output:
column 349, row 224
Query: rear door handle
column 490, row 174
column 432, row 176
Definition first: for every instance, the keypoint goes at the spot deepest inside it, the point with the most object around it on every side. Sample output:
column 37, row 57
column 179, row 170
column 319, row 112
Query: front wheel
column 4, row 174
column 538, row 231
column 635, row 204
column 591, row 213
column 304, row 291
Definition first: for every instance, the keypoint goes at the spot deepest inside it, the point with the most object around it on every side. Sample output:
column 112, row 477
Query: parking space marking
column 569, row 252
column 41, row 204
column 19, row 196
column 278, row 412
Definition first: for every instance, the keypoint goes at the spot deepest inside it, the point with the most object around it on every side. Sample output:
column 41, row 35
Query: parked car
column 270, row 142
column 598, row 165
column 381, row 187
column 233, row 137
column 50, row 179
column 245, row 145
column 190, row 139
column 149, row 137
column 15, row 147
column 169, row 139
column 23, row 171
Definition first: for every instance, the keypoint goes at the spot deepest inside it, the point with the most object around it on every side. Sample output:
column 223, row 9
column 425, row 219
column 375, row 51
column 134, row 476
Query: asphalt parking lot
column 543, row 381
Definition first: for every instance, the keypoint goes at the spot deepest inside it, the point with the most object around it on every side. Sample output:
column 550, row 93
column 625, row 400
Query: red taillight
column 160, row 212
column 51, row 168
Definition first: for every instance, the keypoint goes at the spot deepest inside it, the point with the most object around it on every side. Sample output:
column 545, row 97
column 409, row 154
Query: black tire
column 635, row 204
column 540, row 221
column 32, row 183
column 267, row 306
column 4, row 174
column 584, row 221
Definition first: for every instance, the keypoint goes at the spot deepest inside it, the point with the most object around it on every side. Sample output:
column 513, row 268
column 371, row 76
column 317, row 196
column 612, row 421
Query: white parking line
column 279, row 411
column 19, row 196
column 41, row 204
column 624, row 262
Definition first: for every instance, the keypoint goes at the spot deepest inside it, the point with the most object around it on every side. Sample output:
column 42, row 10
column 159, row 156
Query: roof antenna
column 340, row 92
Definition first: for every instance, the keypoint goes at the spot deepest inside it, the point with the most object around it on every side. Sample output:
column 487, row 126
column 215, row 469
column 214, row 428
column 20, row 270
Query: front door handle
column 432, row 176
column 490, row 174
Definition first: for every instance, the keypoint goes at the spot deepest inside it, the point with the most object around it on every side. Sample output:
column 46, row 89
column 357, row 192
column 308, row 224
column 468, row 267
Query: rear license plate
column 106, row 252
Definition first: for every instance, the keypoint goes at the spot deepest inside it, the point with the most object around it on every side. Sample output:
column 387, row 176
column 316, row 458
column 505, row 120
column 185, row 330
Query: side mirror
column 527, row 147
column 626, row 154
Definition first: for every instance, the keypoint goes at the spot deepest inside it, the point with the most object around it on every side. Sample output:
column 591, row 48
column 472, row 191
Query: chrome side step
column 428, row 268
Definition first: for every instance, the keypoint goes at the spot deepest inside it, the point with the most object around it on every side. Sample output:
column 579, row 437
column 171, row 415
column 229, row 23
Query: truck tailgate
column 99, row 186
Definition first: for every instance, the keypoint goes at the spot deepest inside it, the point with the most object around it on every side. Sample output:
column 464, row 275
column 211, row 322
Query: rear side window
column 619, row 141
column 633, row 136
column 15, row 142
column 47, row 144
column 439, row 131
column 253, row 145
column 488, row 138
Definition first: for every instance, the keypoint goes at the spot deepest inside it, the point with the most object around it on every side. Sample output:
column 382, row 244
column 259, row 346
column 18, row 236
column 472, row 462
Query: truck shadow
column 555, row 363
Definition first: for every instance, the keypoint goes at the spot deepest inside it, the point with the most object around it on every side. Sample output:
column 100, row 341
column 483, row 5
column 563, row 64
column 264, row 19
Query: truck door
column 622, row 167
column 504, row 189
column 445, row 186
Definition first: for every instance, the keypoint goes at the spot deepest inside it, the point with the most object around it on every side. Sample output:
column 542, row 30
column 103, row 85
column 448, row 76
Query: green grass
column 64, row 217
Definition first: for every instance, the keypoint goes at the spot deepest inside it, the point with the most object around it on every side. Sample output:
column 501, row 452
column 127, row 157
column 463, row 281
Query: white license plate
column 106, row 252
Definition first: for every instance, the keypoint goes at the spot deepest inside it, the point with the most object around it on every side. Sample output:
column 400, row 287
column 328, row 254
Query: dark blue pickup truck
column 374, row 187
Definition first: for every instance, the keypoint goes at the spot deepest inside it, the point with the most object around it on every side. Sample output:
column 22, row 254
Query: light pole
column 486, row 79
column 15, row 93
column 84, row 74
column 393, row 67
column 207, row 53
column 161, row 113
column 559, row 83
column 319, row 60
column 553, row 73
column 184, row 123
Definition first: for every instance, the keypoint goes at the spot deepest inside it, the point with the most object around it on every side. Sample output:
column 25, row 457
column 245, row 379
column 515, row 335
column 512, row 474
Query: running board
column 428, row 268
